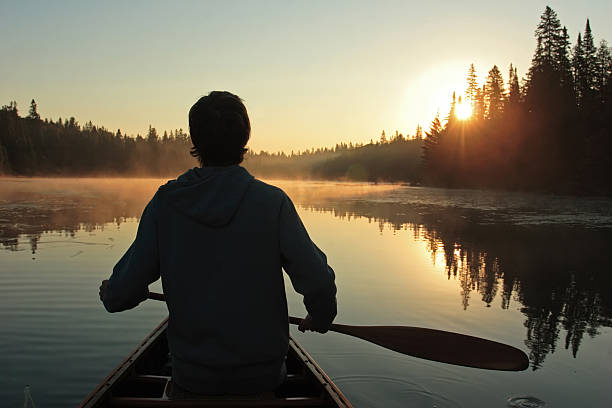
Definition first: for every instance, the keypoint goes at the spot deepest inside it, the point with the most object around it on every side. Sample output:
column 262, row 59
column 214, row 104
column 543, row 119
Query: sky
column 311, row 73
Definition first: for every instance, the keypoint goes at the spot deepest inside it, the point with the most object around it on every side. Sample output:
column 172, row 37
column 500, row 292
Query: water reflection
column 556, row 272
column 30, row 208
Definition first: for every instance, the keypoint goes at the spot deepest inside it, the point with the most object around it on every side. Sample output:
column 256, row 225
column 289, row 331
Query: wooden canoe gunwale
column 102, row 396
column 124, row 368
column 331, row 388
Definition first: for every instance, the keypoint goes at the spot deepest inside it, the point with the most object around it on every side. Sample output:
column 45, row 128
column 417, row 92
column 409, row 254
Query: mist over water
column 524, row 269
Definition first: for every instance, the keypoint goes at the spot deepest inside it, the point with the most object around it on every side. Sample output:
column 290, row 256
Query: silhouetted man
column 218, row 238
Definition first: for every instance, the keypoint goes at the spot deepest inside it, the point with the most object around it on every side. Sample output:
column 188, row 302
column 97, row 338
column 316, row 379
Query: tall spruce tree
column 548, row 35
column 431, row 143
column 590, row 58
column 152, row 136
column 514, row 90
column 452, row 113
column 545, row 73
column 479, row 105
column 33, row 112
column 579, row 68
column 383, row 137
column 472, row 85
column 564, row 64
column 418, row 135
column 604, row 68
column 495, row 94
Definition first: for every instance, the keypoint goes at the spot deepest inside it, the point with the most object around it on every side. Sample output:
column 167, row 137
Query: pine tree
column 152, row 135
column 607, row 99
column 495, row 93
column 562, row 55
column 72, row 123
column 579, row 66
column 452, row 115
column 11, row 107
column 436, row 126
column 590, row 58
column 432, row 142
column 383, row 137
column 548, row 35
column 472, row 85
column 419, row 133
column 33, row 113
column 514, row 90
column 479, row 105
column 550, row 68
column 604, row 67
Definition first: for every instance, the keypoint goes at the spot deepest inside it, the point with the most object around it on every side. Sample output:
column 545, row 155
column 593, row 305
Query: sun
column 463, row 110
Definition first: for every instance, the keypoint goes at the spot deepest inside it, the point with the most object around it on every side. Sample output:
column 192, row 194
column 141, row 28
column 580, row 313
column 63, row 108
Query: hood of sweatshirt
column 210, row 195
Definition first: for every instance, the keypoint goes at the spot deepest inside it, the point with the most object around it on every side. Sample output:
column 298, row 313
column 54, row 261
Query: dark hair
column 219, row 127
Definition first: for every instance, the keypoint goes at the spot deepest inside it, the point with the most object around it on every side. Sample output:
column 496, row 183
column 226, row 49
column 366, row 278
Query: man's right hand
column 308, row 324
column 102, row 289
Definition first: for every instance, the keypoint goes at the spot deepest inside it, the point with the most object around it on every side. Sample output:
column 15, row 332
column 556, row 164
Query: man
column 219, row 238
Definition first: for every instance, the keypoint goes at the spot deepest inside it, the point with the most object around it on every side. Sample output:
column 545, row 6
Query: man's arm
column 137, row 268
column 307, row 268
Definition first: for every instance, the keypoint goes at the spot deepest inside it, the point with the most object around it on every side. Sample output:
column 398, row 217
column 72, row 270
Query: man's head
column 220, row 128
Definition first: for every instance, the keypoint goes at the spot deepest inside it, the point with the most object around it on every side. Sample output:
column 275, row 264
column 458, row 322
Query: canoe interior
column 141, row 380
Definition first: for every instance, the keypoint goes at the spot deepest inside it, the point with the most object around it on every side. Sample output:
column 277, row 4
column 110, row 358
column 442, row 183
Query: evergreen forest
column 552, row 131
column 549, row 131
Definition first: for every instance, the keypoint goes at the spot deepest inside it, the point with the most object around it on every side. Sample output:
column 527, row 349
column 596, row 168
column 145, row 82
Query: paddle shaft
column 432, row 344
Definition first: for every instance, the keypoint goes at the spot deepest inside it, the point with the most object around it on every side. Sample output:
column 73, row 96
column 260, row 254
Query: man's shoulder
column 269, row 190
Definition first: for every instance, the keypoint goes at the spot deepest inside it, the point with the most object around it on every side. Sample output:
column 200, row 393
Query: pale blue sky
column 311, row 73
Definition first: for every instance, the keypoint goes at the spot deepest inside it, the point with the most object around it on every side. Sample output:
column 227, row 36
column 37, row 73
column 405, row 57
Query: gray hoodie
column 219, row 238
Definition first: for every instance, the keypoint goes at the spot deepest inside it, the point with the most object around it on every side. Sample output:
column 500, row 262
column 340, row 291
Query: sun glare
column 464, row 110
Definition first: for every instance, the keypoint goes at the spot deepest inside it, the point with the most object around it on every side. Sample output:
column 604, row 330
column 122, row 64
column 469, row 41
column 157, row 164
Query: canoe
column 142, row 379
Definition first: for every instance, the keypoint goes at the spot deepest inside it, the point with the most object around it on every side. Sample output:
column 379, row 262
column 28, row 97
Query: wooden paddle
column 431, row 344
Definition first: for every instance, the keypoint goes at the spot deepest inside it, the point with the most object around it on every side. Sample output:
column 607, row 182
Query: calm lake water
column 532, row 271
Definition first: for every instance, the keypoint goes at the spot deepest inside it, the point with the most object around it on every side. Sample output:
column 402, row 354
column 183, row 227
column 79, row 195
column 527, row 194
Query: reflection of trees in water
column 31, row 207
column 558, row 274
column 31, row 215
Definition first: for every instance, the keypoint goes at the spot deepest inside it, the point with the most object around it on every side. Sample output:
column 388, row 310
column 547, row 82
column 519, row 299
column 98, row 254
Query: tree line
column 550, row 131
column 32, row 146
column 389, row 159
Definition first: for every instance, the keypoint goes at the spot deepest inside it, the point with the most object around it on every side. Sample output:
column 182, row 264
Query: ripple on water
column 525, row 402
column 370, row 390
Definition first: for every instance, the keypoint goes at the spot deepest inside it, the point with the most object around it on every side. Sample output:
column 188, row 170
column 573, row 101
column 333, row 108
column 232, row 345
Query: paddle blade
column 442, row 346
